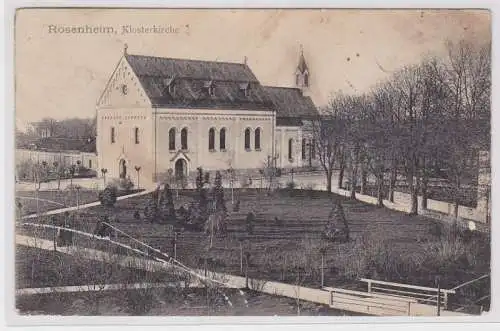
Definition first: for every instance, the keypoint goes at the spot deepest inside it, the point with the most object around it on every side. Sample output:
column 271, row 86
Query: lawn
column 385, row 244
column 56, row 199
column 41, row 268
column 169, row 302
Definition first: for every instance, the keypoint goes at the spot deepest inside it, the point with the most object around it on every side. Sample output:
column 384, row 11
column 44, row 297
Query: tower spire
column 302, row 66
column 302, row 72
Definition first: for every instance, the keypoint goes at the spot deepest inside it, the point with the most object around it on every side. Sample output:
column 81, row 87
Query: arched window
column 247, row 138
column 136, row 135
column 303, row 149
column 222, row 139
column 184, row 139
column 171, row 139
column 257, row 139
column 211, row 139
column 290, row 149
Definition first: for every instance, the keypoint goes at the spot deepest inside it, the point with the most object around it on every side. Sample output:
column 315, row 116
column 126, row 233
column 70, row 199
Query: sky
column 62, row 75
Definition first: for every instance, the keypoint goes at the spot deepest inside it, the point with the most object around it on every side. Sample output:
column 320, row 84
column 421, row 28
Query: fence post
column 445, row 300
column 369, row 286
column 438, row 299
column 409, row 308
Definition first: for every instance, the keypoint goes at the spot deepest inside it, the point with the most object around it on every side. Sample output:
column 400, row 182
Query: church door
column 180, row 168
column 123, row 169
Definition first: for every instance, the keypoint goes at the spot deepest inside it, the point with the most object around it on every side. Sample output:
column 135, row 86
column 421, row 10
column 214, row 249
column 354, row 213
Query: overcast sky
column 62, row 75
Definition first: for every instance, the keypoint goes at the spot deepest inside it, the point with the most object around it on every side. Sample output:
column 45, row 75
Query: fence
column 64, row 158
column 420, row 294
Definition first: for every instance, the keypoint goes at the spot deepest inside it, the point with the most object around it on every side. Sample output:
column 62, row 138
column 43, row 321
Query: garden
column 288, row 235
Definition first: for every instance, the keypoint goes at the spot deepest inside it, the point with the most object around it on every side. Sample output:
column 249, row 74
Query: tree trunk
column 392, row 182
column 341, row 173
column 329, row 175
column 457, row 197
column 364, row 178
column 413, row 189
column 380, row 189
column 354, row 168
column 425, row 182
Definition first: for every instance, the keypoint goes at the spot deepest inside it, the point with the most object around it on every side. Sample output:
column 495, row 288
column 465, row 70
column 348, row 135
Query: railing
column 422, row 294
column 471, row 289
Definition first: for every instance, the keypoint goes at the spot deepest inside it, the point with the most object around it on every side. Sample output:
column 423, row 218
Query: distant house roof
column 61, row 144
column 192, row 78
column 291, row 103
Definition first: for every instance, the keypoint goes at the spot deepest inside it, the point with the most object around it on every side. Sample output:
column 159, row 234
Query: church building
column 161, row 113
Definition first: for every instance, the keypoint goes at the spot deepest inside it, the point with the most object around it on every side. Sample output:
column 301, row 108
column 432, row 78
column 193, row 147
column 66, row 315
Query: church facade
column 157, row 114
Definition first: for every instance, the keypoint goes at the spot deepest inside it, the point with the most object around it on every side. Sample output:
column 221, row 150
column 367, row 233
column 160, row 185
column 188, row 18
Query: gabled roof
column 291, row 103
column 191, row 81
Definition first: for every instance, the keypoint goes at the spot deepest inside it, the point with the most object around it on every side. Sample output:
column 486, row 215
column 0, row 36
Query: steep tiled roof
column 288, row 121
column 191, row 78
column 290, row 103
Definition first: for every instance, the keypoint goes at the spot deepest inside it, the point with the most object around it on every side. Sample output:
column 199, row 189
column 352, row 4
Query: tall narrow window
column 257, row 139
column 113, row 135
column 184, row 139
column 222, row 139
column 211, row 139
column 136, row 135
column 290, row 149
column 303, row 149
column 313, row 149
column 171, row 139
column 247, row 139
column 90, row 164
column 306, row 80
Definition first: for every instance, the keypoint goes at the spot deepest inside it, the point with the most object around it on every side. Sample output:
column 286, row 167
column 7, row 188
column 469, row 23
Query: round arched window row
column 171, row 139
column 184, row 139
column 247, row 139
column 222, row 139
column 257, row 139
column 211, row 139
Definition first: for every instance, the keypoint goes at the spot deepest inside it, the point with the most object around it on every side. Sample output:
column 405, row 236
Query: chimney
column 125, row 47
column 245, row 60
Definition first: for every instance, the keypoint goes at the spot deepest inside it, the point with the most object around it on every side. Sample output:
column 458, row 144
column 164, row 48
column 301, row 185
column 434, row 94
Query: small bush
column 107, row 197
column 291, row 185
column 236, row 206
column 250, row 220
column 137, row 215
column 122, row 184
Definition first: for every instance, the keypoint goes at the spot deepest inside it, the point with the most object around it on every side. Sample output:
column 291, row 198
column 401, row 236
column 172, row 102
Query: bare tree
column 468, row 81
column 329, row 132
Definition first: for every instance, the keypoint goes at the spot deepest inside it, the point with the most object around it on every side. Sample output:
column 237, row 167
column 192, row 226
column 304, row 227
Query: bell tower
column 302, row 73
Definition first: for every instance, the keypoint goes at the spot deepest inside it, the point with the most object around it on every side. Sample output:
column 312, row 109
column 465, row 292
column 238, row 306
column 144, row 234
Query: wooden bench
column 369, row 303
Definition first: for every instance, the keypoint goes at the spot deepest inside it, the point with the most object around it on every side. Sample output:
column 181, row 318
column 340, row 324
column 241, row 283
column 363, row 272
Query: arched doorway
column 123, row 169
column 180, row 168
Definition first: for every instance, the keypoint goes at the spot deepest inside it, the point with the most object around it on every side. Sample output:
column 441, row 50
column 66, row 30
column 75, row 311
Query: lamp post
column 322, row 251
column 104, row 171
column 77, row 188
column 138, row 169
